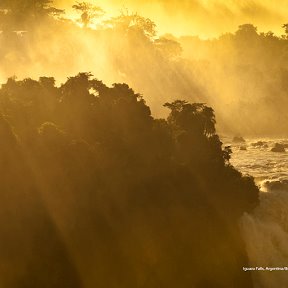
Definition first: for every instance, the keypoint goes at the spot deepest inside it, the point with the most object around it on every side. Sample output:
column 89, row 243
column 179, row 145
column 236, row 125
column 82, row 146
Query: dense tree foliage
column 21, row 15
column 87, row 12
column 98, row 193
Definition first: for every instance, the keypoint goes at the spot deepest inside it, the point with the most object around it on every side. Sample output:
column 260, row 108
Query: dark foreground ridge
column 95, row 192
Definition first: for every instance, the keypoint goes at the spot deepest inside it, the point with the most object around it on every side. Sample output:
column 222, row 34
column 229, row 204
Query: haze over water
column 260, row 162
column 265, row 230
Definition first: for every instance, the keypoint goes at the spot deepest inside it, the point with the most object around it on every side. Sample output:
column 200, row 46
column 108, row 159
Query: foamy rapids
column 265, row 231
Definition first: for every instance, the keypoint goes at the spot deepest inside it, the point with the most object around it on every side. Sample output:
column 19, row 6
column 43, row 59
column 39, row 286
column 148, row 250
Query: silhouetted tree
column 88, row 12
column 30, row 7
column 246, row 30
column 285, row 27
column 20, row 15
column 129, row 22
column 168, row 47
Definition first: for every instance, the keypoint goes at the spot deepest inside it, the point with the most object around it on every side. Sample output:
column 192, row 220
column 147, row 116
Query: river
column 265, row 231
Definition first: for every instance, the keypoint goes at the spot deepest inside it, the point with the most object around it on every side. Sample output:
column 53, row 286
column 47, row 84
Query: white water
column 265, row 231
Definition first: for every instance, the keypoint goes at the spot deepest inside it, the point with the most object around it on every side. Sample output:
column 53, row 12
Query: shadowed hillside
column 98, row 193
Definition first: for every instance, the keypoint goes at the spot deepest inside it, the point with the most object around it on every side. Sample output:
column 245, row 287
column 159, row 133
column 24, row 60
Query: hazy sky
column 207, row 18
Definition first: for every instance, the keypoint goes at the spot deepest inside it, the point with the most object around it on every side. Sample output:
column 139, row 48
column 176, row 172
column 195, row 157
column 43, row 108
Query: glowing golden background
column 207, row 18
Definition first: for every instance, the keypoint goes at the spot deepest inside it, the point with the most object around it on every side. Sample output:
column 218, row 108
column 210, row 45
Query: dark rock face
column 276, row 185
column 260, row 144
column 278, row 148
column 238, row 139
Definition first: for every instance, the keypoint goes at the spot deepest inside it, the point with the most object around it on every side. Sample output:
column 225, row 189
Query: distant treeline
column 242, row 75
column 95, row 192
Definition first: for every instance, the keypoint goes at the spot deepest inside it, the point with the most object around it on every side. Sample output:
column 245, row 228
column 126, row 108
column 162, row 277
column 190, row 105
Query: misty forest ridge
column 243, row 71
column 115, row 185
